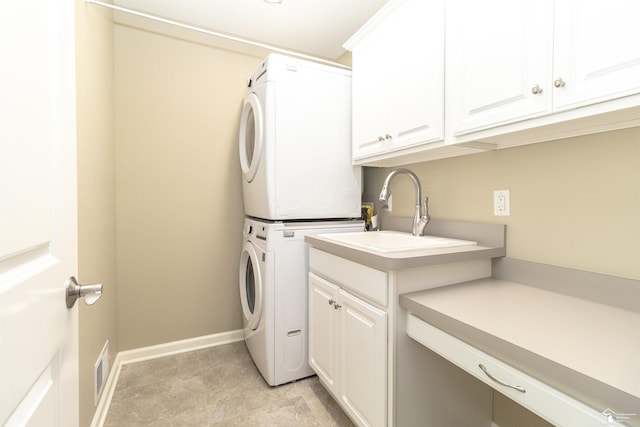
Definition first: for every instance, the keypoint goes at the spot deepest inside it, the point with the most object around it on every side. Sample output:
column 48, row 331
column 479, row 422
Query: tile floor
column 218, row 386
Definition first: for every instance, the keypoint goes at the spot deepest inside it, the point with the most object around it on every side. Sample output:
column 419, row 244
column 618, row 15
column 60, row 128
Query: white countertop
column 593, row 340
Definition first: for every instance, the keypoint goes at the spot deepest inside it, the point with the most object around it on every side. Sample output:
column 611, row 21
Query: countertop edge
column 580, row 386
column 405, row 260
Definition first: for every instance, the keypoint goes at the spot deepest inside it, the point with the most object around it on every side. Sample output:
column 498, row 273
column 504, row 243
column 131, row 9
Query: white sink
column 394, row 241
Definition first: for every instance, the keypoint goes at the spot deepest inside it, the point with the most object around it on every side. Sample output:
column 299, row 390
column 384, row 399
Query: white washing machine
column 273, row 282
column 295, row 142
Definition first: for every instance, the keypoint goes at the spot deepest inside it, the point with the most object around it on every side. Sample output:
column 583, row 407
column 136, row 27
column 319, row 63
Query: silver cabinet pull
column 332, row 301
column 387, row 136
column 499, row 381
column 381, row 138
column 559, row 82
column 536, row 90
column 90, row 293
column 337, row 306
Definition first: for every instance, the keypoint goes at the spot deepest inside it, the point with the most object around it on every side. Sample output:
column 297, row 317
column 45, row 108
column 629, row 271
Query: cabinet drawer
column 365, row 281
column 549, row 403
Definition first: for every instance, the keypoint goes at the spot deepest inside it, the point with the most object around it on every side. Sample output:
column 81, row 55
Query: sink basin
column 394, row 241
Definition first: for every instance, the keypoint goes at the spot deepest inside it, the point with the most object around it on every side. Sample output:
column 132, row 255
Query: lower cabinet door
column 323, row 322
column 362, row 386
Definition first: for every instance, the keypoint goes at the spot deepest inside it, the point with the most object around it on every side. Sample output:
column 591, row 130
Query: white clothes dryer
column 295, row 142
column 274, row 269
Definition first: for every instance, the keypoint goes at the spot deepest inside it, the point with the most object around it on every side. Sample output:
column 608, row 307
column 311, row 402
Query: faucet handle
column 425, row 206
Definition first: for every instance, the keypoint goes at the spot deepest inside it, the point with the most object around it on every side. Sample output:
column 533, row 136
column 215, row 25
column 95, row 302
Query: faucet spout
column 421, row 216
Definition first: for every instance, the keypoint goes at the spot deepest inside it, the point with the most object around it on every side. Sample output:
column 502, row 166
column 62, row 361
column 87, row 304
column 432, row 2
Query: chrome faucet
column 421, row 216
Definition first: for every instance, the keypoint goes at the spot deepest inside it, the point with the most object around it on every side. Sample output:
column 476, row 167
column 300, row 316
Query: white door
column 38, row 222
column 363, row 360
column 251, row 136
column 323, row 330
column 596, row 55
column 499, row 62
column 416, row 84
column 370, row 121
column 251, row 286
column 398, row 98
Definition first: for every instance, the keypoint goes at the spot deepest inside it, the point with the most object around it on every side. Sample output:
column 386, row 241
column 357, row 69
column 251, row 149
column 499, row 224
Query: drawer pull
column 499, row 381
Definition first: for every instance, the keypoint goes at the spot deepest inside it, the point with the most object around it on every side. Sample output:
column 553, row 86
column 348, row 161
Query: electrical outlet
column 501, row 203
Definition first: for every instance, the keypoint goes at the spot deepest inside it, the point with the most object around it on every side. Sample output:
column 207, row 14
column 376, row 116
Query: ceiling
column 316, row 27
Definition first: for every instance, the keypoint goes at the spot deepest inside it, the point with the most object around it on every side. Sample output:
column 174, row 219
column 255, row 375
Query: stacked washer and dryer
column 297, row 179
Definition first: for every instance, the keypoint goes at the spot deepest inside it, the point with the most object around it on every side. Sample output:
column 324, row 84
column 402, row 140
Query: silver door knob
column 559, row 82
column 536, row 90
column 90, row 293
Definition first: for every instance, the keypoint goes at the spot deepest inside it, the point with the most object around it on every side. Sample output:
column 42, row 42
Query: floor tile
column 217, row 386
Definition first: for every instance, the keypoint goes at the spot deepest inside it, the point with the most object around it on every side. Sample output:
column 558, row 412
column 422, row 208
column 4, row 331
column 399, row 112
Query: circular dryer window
column 250, row 286
column 251, row 136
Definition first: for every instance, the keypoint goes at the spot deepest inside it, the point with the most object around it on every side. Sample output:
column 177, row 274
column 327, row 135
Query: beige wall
column 179, row 196
column 96, row 191
column 574, row 202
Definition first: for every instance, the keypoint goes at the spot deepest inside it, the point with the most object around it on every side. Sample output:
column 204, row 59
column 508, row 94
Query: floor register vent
column 101, row 372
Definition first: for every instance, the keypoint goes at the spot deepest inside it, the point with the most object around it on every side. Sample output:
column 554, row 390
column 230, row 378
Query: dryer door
column 250, row 285
column 251, row 138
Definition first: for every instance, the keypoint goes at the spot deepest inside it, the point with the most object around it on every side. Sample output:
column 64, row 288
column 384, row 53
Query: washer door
column 250, row 285
column 251, row 138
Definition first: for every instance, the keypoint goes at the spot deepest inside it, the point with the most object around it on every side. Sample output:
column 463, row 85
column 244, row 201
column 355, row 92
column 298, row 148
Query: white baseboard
column 154, row 352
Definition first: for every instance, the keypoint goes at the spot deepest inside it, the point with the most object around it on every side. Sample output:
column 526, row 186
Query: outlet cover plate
column 501, row 203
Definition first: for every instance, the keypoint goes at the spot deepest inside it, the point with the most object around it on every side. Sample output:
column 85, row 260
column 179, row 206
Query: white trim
column 155, row 352
column 176, row 347
column 216, row 34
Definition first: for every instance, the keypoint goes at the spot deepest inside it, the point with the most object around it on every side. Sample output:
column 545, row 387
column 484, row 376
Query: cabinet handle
column 337, row 306
column 499, row 381
column 536, row 90
column 381, row 138
column 387, row 136
column 559, row 82
column 332, row 301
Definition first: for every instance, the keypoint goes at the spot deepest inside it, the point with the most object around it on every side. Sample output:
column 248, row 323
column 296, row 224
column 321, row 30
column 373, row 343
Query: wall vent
column 101, row 371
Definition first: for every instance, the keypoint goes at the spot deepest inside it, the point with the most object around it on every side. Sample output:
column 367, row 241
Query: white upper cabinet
column 508, row 61
column 398, row 78
column 435, row 79
column 498, row 58
column 597, row 51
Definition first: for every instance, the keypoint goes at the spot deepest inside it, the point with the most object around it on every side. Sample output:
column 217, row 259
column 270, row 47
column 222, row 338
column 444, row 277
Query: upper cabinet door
column 398, row 78
column 370, row 94
column 597, row 51
column 499, row 59
column 416, row 73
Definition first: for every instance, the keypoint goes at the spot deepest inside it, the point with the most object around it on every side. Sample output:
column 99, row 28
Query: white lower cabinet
column 354, row 318
column 348, row 350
